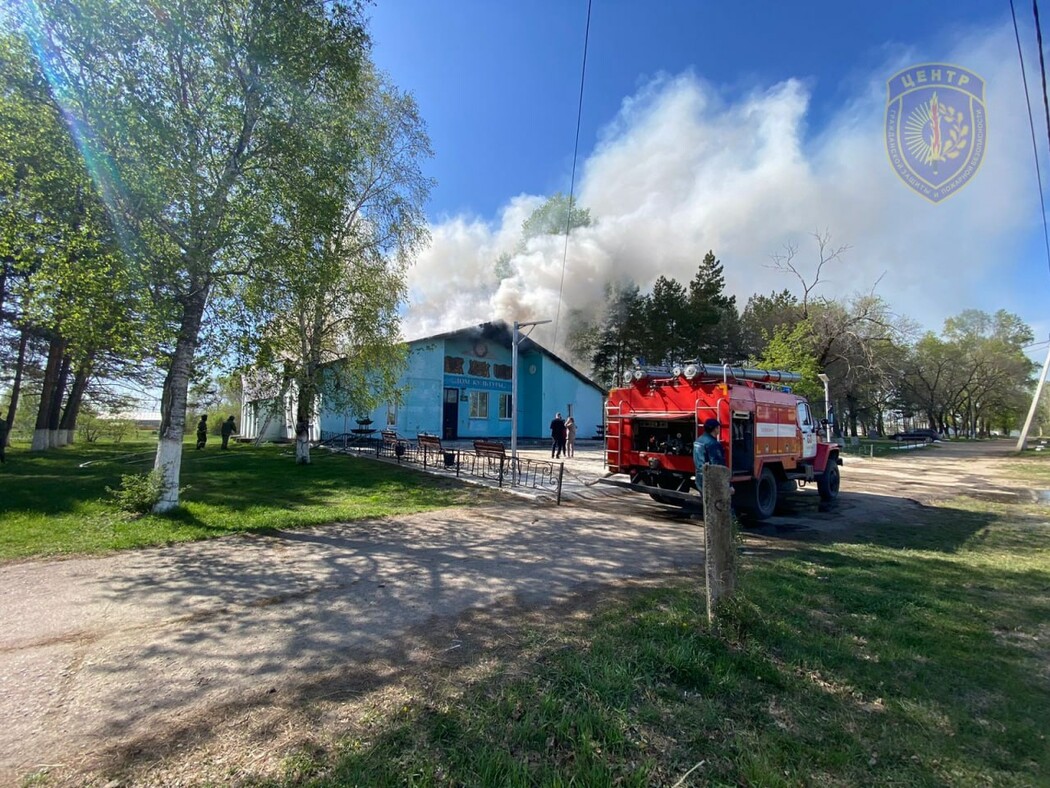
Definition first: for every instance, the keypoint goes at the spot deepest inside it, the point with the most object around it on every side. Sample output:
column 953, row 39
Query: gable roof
column 501, row 332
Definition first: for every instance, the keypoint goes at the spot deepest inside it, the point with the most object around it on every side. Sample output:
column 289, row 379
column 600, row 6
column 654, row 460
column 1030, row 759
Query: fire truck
column 772, row 442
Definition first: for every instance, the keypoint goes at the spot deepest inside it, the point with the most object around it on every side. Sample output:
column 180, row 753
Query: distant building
column 457, row 385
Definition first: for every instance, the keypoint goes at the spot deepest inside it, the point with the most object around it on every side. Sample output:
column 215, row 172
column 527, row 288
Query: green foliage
column 791, row 349
column 325, row 310
column 762, row 316
column 90, row 427
column 621, row 336
column 207, row 127
column 118, row 429
column 974, row 377
column 670, row 324
column 138, row 493
column 54, row 503
column 553, row 218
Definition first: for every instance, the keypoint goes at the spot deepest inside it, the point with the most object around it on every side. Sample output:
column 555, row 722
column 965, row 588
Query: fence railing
column 884, row 447
column 521, row 472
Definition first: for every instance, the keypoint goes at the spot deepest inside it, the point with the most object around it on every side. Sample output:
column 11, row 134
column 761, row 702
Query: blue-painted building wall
column 448, row 374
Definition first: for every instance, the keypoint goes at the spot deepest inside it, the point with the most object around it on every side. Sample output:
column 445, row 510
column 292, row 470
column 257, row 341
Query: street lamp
column 827, row 405
column 514, row 383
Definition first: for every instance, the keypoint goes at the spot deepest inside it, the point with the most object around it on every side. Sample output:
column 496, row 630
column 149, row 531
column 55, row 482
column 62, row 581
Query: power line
column 1042, row 65
column 1031, row 126
column 572, row 179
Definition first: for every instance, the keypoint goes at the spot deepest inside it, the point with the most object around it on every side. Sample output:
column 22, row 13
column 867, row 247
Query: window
column 391, row 414
column 805, row 420
column 479, row 404
column 504, row 406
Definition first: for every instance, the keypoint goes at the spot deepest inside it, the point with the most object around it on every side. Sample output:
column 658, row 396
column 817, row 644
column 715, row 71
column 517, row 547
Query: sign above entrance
column 467, row 382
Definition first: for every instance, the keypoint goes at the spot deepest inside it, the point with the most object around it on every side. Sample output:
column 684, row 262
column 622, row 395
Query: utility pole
column 827, row 403
column 1035, row 403
column 514, row 340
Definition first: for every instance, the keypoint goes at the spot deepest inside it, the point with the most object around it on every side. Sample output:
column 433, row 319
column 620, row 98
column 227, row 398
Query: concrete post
column 720, row 551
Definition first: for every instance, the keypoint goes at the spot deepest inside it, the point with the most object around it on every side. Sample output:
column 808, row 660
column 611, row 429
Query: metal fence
column 520, row 472
column 886, row 447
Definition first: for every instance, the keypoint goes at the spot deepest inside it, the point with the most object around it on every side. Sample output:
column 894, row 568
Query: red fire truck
column 771, row 440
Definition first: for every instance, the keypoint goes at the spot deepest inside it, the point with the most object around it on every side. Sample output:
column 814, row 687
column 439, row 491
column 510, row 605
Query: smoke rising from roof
column 683, row 169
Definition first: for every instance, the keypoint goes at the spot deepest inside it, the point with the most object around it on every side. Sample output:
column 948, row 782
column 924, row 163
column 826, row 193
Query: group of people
column 228, row 428
column 563, row 436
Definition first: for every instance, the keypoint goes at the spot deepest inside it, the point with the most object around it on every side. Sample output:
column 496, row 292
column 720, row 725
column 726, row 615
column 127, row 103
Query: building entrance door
column 450, row 417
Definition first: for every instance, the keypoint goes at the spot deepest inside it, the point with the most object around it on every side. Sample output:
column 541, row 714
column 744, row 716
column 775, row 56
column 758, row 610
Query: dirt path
column 99, row 653
column 95, row 651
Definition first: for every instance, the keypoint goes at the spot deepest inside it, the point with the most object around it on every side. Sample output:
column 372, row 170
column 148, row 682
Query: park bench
column 431, row 444
column 390, row 441
column 491, row 449
column 489, row 457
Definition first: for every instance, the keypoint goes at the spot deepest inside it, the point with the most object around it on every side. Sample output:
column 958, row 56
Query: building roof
column 500, row 331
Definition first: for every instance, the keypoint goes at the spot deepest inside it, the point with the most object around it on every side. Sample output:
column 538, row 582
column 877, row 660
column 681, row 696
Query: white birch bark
column 173, row 403
column 302, row 449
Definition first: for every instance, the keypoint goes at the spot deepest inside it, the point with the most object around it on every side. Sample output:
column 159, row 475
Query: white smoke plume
column 682, row 170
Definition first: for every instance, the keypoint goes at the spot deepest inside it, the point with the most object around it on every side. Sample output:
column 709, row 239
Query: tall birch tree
column 184, row 111
column 328, row 294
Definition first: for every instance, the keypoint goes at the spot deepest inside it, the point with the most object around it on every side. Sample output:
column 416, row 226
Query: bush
column 138, row 492
column 90, row 427
column 118, row 429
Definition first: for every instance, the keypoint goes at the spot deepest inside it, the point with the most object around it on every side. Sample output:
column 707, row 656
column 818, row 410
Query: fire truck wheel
column 763, row 496
column 828, row 483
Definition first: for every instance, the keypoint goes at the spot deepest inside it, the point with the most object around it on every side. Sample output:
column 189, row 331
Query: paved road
column 96, row 652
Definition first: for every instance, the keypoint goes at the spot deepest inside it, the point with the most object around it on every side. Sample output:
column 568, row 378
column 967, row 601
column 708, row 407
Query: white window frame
column 391, row 414
column 505, row 406
column 479, row 404
column 806, row 424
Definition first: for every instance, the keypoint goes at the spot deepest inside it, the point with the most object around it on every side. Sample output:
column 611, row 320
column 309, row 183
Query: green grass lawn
column 914, row 655
column 1033, row 466
column 55, row 502
column 884, row 448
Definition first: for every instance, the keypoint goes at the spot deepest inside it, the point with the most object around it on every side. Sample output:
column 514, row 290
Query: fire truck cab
column 771, row 440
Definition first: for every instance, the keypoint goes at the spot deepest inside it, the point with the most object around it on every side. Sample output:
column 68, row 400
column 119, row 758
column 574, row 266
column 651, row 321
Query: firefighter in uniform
column 707, row 451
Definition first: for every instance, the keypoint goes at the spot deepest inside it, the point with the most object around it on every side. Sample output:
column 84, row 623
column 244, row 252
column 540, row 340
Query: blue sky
column 741, row 127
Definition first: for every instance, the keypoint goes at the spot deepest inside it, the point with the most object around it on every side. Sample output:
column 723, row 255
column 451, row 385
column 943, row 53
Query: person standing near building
column 570, row 437
column 228, row 428
column 707, row 451
column 557, row 435
column 202, row 431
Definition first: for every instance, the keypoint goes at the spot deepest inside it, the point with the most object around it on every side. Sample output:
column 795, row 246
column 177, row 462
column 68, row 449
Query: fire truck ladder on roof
column 613, row 435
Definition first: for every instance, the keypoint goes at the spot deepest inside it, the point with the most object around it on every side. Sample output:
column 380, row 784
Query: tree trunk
column 67, row 427
column 47, row 392
column 303, row 411
column 173, row 401
column 54, row 416
column 16, row 385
